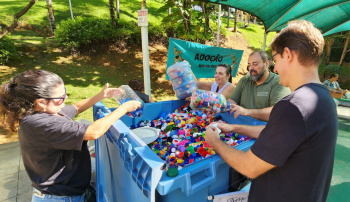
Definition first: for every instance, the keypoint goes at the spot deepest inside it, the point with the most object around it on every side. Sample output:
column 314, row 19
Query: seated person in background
column 333, row 85
column 137, row 86
column 256, row 93
column 223, row 81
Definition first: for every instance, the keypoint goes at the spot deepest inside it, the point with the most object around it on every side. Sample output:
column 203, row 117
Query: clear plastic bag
column 127, row 95
column 182, row 79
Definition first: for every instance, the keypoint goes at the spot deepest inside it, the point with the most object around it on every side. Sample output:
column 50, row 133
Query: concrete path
column 14, row 182
column 16, row 186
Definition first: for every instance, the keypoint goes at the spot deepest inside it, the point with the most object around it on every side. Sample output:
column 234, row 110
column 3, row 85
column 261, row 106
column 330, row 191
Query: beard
column 257, row 75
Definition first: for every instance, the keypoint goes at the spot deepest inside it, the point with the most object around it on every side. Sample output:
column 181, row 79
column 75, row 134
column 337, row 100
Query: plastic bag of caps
column 127, row 95
column 182, row 79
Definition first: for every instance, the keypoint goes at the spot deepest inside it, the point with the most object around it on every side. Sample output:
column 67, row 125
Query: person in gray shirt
column 54, row 146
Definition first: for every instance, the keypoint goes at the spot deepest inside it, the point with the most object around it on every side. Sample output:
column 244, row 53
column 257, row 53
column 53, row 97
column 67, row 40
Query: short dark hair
column 18, row 96
column 262, row 54
column 136, row 84
column 228, row 70
column 302, row 37
column 333, row 75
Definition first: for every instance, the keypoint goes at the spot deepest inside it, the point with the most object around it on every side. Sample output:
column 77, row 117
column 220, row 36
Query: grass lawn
column 254, row 34
column 37, row 15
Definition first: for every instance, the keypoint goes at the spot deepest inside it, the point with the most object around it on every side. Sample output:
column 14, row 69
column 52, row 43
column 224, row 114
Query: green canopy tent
column 330, row 16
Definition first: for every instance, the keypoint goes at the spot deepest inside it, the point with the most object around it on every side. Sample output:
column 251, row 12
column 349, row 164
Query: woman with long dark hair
column 54, row 146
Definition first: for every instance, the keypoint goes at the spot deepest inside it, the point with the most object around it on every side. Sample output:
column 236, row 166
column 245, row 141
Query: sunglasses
column 60, row 99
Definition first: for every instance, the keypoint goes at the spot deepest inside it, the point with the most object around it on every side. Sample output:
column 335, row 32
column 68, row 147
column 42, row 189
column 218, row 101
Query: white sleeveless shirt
column 215, row 86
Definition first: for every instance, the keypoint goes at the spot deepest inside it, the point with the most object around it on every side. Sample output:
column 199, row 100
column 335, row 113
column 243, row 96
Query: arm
column 261, row 114
column 246, row 130
column 99, row 127
column 228, row 90
column 89, row 102
column 204, row 85
column 244, row 162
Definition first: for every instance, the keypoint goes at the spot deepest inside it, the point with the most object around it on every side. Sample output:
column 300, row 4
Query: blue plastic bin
column 128, row 170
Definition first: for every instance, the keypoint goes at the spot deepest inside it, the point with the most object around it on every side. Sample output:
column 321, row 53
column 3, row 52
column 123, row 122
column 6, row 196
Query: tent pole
column 71, row 11
column 145, row 55
column 219, row 22
column 264, row 44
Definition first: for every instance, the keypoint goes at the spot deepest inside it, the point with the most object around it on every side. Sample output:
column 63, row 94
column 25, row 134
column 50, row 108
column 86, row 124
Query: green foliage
column 84, row 33
column 186, row 23
column 7, row 49
column 326, row 71
column 81, row 32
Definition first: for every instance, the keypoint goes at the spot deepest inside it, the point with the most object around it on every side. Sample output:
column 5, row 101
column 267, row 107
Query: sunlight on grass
column 37, row 14
column 64, row 60
column 255, row 36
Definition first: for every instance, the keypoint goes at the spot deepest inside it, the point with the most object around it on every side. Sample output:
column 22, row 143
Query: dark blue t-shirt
column 299, row 140
column 55, row 156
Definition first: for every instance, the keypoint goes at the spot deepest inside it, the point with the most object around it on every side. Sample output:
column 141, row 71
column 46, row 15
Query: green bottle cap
column 172, row 172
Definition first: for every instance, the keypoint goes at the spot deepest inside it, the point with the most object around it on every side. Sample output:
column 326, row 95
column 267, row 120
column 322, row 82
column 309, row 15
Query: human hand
column 238, row 110
column 224, row 127
column 212, row 135
column 188, row 99
column 231, row 101
column 131, row 106
column 110, row 92
column 332, row 91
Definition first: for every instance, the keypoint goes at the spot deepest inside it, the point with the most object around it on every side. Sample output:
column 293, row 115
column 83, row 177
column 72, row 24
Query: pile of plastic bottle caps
column 181, row 138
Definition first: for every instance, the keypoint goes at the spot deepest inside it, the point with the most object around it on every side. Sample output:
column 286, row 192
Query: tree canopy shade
column 330, row 16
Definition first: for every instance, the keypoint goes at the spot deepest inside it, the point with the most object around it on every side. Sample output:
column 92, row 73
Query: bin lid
column 146, row 134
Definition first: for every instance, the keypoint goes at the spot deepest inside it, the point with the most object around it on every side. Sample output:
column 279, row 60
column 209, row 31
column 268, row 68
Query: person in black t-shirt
column 293, row 156
column 137, row 86
column 54, row 146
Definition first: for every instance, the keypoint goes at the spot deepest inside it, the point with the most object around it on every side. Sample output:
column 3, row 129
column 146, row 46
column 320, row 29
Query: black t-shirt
column 299, row 140
column 54, row 154
column 143, row 96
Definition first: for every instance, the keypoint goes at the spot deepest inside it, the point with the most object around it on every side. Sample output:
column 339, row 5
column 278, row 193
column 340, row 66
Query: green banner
column 203, row 58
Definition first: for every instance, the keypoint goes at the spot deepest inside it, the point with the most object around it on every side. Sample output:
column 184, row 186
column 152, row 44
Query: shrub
column 326, row 71
column 7, row 49
column 83, row 32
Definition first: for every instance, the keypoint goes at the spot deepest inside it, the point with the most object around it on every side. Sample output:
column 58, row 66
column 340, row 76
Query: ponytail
column 18, row 96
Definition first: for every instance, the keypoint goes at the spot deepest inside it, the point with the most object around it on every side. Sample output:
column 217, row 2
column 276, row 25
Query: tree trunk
column 228, row 17
column 329, row 44
column 14, row 24
column 118, row 10
column 236, row 17
column 345, row 50
column 112, row 14
column 51, row 16
column 248, row 20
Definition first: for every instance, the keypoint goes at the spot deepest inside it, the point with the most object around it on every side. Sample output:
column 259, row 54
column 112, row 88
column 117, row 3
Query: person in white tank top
column 222, row 84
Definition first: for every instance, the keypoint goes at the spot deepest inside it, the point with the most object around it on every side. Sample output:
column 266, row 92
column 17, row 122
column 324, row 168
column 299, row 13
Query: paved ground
column 16, row 186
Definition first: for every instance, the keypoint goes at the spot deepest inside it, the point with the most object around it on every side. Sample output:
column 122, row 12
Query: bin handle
column 211, row 177
column 125, row 150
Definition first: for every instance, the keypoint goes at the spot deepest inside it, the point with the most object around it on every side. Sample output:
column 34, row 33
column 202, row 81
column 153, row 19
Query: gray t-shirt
column 55, row 156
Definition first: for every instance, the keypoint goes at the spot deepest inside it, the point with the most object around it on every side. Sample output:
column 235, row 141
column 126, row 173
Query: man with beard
column 256, row 93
